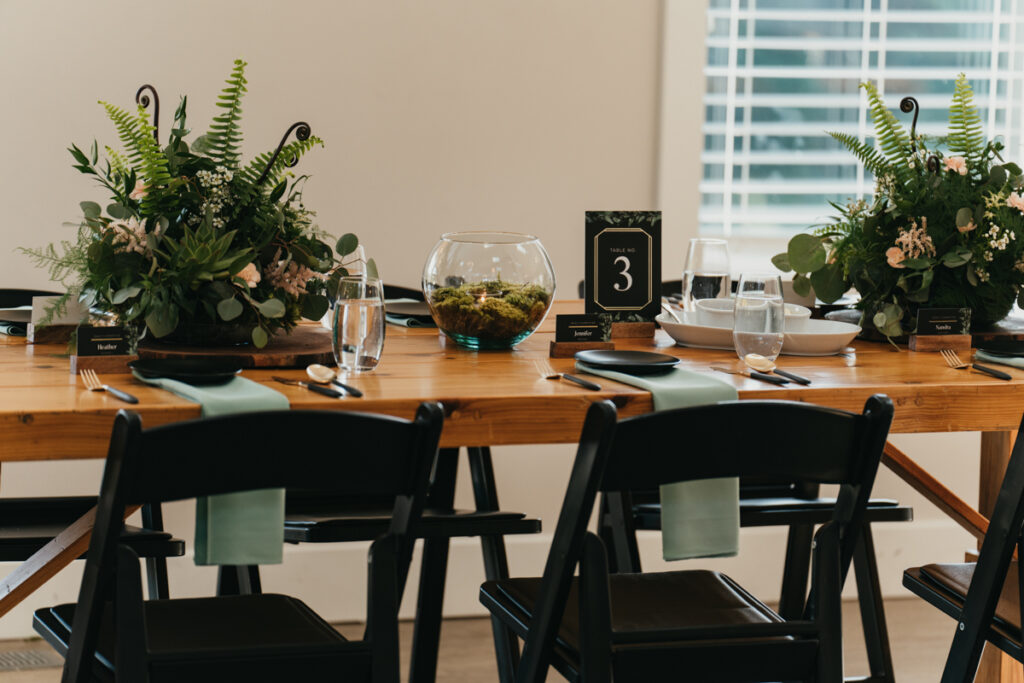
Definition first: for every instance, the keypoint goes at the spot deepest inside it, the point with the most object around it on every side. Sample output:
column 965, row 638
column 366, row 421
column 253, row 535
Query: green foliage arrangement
column 191, row 236
column 940, row 231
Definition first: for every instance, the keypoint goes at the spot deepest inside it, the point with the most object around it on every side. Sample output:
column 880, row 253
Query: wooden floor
column 920, row 636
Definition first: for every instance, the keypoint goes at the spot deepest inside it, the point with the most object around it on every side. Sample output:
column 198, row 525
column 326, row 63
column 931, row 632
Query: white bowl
column 818, row 338
column 719, row 312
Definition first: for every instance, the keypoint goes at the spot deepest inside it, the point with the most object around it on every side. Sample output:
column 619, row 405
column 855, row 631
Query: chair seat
column 945, row 586
column 314, row 526
column 648, row 602
column 783, row 511
column 216, row 633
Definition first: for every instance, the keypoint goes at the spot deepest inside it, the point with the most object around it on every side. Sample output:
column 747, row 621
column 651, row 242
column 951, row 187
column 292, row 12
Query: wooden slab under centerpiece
column 306, row 344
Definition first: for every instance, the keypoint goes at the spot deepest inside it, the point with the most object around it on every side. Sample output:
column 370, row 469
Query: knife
column 326, row 391
column 350, row 389
column 753, row 374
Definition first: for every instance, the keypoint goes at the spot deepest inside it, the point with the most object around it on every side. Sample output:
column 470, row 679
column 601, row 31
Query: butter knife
column 753, row 374
column 316, row 388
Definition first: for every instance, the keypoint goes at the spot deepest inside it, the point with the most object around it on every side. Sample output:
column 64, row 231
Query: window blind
column 781, row 73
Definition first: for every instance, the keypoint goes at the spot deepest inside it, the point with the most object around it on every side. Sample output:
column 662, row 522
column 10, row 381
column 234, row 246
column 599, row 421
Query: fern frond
column 244, row 182
column 128, row 130
column 153, row 164
column 117, row 162
column 891, row 136
column 225, row 135
column 966, row 137
column 872, row 159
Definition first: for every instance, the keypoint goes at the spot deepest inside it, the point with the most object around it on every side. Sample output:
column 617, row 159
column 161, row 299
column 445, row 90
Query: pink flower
column 130, row 235
column 139, row 192
column 250, row 274
column 957, row 164
column 895, row 256
column 1016, row 201
column 967, row 228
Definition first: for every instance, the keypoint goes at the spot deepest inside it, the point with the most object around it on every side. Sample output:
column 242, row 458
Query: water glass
column 358, row 331
column 759, row 318
column 706, row 274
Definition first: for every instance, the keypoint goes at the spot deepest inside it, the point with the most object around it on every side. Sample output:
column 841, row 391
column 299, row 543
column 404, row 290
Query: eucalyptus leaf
column 347, row 244
column 162, row 320
column 806, row 253
column 918, row 263
column 781, row 261
column 801, row 285
column 1012, row 168
column 972, row 277
column 964, row 217
column 259, row 337
column 229, row 309
column 878, row 320
column 125, row 293
column 956, row 258
column 90, row 209
column 371, row 269
column 271, row 308
column 997, row 176
column 117, row 211
column 314, row 306
column 829, row 283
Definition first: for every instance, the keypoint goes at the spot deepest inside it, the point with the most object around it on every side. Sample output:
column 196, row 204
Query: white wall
column 442, row 115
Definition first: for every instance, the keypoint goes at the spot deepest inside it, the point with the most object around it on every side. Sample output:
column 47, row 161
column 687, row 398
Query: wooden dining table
column 496, row 398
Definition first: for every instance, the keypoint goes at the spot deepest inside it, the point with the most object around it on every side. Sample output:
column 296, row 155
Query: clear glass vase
column 488, row 290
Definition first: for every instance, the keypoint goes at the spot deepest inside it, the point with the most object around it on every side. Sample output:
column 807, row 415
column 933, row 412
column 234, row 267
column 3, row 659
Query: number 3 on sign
column 624, row 273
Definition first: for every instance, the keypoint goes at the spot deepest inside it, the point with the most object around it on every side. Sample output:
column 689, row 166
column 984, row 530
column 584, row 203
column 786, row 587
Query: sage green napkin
column 1014, row 361
column 698, row 518
column 235, row 528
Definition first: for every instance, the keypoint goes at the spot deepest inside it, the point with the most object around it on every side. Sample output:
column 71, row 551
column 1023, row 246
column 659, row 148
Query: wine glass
column 358, row 331
column 759, row 317
column 706, row 274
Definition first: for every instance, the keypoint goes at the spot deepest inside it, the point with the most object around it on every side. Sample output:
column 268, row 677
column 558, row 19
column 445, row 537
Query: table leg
column 426, row 636
column 485, row 492
column 995, row 454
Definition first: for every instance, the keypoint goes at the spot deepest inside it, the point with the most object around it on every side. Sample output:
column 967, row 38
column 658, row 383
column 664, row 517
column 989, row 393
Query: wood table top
column 499, row 397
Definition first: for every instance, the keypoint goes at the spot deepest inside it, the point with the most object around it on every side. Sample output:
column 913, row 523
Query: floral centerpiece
column 944, row 229
column 194, row 239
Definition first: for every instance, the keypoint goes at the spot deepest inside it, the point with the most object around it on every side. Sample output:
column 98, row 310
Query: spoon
column 325, row 375
column 672, row 313
column 762, row 364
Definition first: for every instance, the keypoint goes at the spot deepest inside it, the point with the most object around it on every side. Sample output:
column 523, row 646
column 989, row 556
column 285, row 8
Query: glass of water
column 759, row 316
column 706, row 274
column 358, row 330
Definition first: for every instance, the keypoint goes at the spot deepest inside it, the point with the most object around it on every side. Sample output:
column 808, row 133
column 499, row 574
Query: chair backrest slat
column 346, row 453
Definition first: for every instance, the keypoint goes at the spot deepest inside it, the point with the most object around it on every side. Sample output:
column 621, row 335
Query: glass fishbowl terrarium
column 488, row 290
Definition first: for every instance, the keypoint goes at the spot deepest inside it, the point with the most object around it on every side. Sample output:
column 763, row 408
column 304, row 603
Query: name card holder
column 942, row 328
column 578, row 333
column 103, row 349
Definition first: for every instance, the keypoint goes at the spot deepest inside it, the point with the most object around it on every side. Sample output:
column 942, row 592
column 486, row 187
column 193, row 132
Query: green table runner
column 1013, row 361
column 698, row 518
column 235, row 528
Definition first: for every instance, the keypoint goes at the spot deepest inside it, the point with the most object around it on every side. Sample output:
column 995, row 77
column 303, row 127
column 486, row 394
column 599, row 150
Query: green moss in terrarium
column 491, row 310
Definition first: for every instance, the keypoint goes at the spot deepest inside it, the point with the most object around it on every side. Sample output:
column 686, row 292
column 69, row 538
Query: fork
column 548, row 372
column 93, row 383
column 953, row 361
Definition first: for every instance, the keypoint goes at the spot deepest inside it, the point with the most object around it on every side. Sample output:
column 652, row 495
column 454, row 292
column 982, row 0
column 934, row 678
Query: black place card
column 101, row 341
column 580, row 328
column 943, row 321
column 622, row 279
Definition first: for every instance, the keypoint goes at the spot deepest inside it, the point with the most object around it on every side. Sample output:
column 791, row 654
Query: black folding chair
column 984, row 597
column 27, row 524
column 694, row 625
column 112, row 633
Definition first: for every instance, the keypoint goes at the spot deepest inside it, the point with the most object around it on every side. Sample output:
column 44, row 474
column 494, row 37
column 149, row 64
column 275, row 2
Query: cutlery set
column 953, row 361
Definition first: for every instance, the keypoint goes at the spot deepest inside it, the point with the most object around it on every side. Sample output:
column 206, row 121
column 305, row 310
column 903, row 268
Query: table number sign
column 623, row 264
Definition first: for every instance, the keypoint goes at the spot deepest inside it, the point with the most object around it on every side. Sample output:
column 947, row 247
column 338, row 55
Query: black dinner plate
column 1003, row 347
column 196, row 371
column 632, row 362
